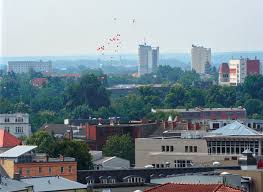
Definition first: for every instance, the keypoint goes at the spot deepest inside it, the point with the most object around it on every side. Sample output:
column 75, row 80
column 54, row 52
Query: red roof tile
column 172, row 187
column 8, row 140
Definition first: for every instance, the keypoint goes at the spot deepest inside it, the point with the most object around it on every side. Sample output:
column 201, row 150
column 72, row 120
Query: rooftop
column 8, row 140
column 235, row 129
column 17, row 151
column 172, row 187
column 199, row 109
column 8, row 184
column 42, row 184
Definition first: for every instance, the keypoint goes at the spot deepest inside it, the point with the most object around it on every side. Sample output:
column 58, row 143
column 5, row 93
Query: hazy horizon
column 78, row 27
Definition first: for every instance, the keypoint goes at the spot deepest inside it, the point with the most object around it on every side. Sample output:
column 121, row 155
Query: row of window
column 167, row 148
column 40, row 170
column 190, row 149
column 177, row 163
column 19, row 130
column 17, row 120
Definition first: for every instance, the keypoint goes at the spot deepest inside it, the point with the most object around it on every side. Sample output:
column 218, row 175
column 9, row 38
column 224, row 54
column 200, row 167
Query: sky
column 78, row 27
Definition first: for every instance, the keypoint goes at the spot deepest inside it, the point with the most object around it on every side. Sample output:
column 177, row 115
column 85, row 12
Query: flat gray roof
column 42, row 184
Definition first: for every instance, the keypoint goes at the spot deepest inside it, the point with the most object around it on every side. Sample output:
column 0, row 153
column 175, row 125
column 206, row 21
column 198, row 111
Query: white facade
column 238, row 71
column 148, row 59
column 201, row 59
column 17, row 124
column 26, row 66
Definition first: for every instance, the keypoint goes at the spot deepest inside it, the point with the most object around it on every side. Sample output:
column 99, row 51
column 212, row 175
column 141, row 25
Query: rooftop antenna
column 144, row 40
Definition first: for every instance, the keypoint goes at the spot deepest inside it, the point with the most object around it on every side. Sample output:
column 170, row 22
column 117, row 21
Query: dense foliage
column 54, row 147
column 120, row 146
column 87, row 96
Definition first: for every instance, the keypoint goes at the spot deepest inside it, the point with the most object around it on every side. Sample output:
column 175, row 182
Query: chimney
column 61, row 157
column 47, row 157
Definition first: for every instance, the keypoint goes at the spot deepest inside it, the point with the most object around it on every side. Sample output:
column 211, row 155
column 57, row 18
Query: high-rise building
column 201, row 59
column 26, row 66
column 155, row 59
column 148, row 59
column 224, row 74
column 237, row 71
column 253, row 66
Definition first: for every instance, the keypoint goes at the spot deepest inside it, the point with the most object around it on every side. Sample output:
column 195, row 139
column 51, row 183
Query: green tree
column 254, row 106
column 76, row 149
column 120, row 146
column 44, row 141
column 176, row 97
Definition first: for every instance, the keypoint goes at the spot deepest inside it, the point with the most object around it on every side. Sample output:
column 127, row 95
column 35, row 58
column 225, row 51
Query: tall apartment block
column 237, row 70
column 201, row 59
column 148, row 59
column 26, row 66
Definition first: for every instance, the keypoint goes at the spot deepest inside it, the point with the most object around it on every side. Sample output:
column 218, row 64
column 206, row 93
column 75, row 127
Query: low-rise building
column 12, row 185
column 223, row 145
column 108, row 163
column 17, row 124
column 7, row 140
column 207, row 118
column 23, row 160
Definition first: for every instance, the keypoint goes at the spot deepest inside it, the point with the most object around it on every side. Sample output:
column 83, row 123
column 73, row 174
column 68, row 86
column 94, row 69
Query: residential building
column 253, row 66
column 148, row 59
column 54, row 183
column 206, row 118
column 224, row 73
column 108, row 163
column 26, row 66
column 17, row 124
column 201, row 59
column 25, row 161
column 96, row 132
column 7, row 140
column 238, row 71
column 174, row 187
column 39, row 82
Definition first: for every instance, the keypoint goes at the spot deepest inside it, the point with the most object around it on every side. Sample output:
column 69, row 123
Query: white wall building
column 26, row 66
column 17, row 124
column 238, row 71
column 201, row 59
column 148, row 59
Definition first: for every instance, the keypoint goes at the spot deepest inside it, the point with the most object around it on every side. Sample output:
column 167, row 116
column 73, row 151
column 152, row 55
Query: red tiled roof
column 224, row 68
column 172, row 187
column 8, row 140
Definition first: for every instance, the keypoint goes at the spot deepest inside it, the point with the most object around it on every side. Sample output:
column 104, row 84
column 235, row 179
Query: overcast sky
column 78, row 27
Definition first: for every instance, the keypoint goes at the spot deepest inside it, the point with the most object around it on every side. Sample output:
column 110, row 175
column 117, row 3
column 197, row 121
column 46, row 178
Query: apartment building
column 26, row 66
column 17, row 124
column 201, row 59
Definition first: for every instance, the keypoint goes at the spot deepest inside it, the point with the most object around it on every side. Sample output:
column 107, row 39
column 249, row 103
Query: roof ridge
column 158, row 186
column 218, row 187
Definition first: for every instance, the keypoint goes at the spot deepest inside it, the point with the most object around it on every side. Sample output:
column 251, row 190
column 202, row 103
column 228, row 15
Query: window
column 40, row 170
column 28, row 172
column 20, row 171
column 49, row 170
column 7, row 120
column 163, row 148
column 69, row 169
column 61, row 169
column 167, row 148
column 186, row 149
column 191, row 149
column 171, row 148
column 195, row 149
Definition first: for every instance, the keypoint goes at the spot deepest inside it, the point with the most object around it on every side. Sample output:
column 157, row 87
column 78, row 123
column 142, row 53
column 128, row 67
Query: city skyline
column 79, row 27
